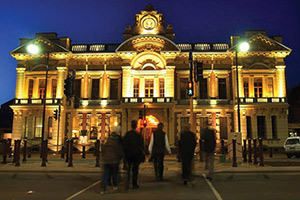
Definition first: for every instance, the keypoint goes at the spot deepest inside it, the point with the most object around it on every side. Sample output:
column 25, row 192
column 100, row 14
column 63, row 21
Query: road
column 67, row 186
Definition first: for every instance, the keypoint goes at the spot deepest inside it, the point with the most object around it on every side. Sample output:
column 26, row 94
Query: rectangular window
column 136, row 87
column 222, row 88
column 203, row 88
column 54, row 88
column 114, row 89
column 249, row 127
column 246, row 87
column 149, row 87
column 261, row 126
column 95, row 88
column 50, row 127
column 223, row 128
column 270, row 87
column 161, row 87
column 258, row 87
column 183, row 88
column 42, row 88
column 30, row 88
column 38, row 127
column 77, row 87
column 274, row 127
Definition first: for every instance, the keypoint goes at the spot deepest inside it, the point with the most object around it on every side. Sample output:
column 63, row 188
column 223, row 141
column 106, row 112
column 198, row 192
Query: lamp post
column 34, row 49
column 243, row 47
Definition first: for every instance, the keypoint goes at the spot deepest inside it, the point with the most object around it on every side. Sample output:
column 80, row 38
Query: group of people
column 131, row 148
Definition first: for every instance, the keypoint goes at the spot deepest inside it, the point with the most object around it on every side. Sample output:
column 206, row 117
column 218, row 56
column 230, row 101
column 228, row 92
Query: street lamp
column 242, row 47
column 34, row 49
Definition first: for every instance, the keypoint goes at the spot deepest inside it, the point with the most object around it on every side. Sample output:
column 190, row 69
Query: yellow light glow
column 103, row 103
column 85, row 103
column 116, row 123
column 32, row 49
column 244, row 46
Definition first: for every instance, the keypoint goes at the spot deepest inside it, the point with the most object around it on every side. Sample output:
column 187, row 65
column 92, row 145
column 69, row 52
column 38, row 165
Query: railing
column 248, row 100
column 147, row 100
column 211, row 102
column 36, row 101
column 100, row 102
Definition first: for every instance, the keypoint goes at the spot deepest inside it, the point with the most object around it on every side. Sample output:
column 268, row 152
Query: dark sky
column 104, row 21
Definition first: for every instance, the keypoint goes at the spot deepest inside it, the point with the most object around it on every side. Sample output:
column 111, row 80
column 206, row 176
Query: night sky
column 104, row 21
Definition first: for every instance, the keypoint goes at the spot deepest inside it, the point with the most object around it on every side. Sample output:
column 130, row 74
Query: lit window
column 246, row 87
column 161, row 87
column 136, row 87
column 149, row 87
column 42, row 88
column 50, row 127
column 258, row 87
column 38, row 127
column 54, row 88
column 30, row 88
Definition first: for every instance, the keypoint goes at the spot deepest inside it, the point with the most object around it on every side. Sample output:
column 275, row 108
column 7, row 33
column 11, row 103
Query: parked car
column 292, row 147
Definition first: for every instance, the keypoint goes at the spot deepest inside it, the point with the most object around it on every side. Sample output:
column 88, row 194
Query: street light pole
column 238, row 91
column 44, row 101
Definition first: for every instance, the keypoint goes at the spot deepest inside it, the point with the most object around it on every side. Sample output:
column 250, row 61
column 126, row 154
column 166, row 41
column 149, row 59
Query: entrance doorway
column 146, row 132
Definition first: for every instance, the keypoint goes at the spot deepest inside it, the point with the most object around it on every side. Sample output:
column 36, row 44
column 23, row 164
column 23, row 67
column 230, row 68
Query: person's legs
column 135, row 172
column 155, row 164
column 210, row 158
column 115, row 170
column 105, row 177
column 160, row 166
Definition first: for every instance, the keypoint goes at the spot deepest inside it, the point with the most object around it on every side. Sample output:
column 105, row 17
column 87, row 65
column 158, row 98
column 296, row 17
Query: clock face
column 149, row 23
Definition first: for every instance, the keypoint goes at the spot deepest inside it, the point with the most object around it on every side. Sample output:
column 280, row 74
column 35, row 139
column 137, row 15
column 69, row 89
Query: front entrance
column 146, row 132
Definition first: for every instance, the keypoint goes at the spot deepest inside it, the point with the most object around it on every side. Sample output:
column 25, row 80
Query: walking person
column 112, row 153
column 187, row 148
column 209, row 145
column 158, row 143
column 134, row 152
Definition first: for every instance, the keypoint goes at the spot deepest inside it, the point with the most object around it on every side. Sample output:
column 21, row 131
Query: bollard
column 261, row 156
column 254, row 152
column 200, row 150
column 14, row 156
column 234, row 164
column 83, row 152
column 17, row 152
column 70, row 153
column 97, row 153
column 9, row 148
column 249, row 151
column 29, row 152
column 271, row 152
column 245, row 151
column 44, row 153
column 24, row 150
column 67, row 150
column 222, row 147
column 62, row 152
column 5, row 148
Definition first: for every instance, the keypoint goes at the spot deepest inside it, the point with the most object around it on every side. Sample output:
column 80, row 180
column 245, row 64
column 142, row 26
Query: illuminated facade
column 115, row 81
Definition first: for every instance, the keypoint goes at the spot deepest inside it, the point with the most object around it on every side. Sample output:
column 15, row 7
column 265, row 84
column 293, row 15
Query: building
column 113, row 82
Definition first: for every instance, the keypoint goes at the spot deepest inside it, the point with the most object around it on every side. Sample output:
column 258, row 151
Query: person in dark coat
column 112, row 153
column 158, row 143
column 187, row 148
column 209, row 145
column 134, row 152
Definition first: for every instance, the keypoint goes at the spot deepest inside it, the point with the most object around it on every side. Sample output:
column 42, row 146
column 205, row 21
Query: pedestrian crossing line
column 216, row 193
column 83, row 190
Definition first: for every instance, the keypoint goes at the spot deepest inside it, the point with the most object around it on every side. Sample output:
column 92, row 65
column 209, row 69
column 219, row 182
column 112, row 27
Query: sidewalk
column 56, row 164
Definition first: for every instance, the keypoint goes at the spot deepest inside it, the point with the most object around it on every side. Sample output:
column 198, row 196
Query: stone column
column 20, row 83
column 213, row 92
column 85, row 85
column 127, row 87
column 61, row 73
column 169, row 81
column 251, row 86
column 156, row 87
column 281, row 87
column 35, row 94
column 142, row 87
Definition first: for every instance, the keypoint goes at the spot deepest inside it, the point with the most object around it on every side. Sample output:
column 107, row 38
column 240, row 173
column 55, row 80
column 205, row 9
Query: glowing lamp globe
column 33, row 49
column 244, row 46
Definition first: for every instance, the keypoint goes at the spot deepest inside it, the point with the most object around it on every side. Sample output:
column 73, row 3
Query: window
column 149, row 88
column 161, row 87
column 95, row 88
column 114, row 89
column 274, row 127
column 261, row 126
column 203, row 88
column 183, row 88
column 223, row 127
column 50, row 127
column 246, row 87
column 25, row 127
column 54, row 88
column 30, row 88
column 249, row 128
column 77, row 87
column 38, row 127
column 270, row 87
column 42, row 88
column 136, row 87
column 222, row 88
column 258, row 88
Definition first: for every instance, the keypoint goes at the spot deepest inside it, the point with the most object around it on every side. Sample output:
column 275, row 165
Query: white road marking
column 216, row 193
column 81, row 191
